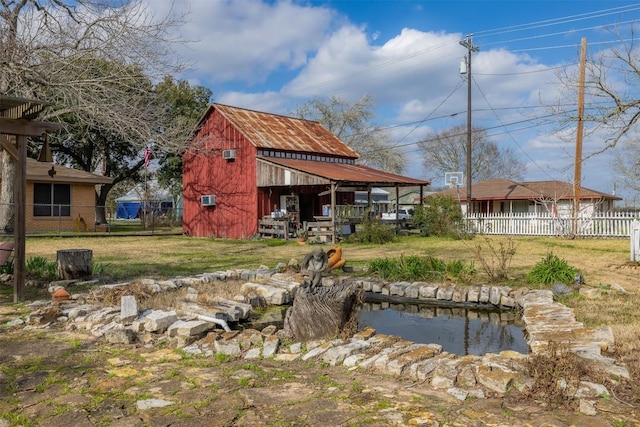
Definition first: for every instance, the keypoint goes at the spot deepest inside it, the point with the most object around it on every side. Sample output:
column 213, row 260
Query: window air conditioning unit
column 208, row 200
column 228, row 154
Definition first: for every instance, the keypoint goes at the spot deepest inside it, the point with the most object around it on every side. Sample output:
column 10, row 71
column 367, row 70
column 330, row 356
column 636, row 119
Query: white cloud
column 245, row 40
column 263, row 101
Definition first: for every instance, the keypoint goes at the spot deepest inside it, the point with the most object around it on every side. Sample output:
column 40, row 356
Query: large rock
column 159, row 321
column 273, row 295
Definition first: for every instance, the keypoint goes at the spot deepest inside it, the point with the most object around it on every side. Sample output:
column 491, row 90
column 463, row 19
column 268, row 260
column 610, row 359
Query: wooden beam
column 20, row 200
column 26, row 128
column 5, row 142
column 334, row 188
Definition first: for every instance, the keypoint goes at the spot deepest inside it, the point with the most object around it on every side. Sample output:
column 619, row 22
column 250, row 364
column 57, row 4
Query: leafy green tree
column 351, row 122
column 184, row 105
column 439, row 216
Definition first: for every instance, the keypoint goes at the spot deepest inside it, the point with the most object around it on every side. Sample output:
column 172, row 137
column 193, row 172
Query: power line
column 559, row 33
column 435, row 138
column 559, row 21
column 458, row 86
column 508, row 133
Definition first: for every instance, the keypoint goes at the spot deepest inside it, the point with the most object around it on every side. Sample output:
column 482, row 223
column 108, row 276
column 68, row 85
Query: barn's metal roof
column 271, row 131
column 346, row 174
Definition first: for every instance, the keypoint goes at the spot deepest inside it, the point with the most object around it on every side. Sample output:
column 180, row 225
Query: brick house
column 244, row 165
column 60, row 198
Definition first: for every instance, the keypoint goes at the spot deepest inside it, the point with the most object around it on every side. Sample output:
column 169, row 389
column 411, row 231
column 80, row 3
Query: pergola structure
column 17, row 123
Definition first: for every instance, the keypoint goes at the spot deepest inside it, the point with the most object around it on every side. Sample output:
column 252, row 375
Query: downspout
column 215, row 320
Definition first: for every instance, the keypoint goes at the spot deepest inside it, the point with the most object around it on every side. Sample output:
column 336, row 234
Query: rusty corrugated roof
column 345, row 173
column 271, row 131
column 505, row 189
column 39, row 171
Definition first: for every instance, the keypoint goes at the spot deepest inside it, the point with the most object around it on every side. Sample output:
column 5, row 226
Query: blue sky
column 273, row 55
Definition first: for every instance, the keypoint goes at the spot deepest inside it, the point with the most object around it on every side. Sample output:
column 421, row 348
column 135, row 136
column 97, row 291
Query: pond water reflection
column 459, row 331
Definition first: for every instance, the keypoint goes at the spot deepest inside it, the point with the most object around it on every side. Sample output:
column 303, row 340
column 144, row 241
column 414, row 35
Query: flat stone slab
column 273, row 295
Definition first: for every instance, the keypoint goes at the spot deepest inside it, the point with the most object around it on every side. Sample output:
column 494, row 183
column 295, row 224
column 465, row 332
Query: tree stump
column 320, row 312
column 74, row 263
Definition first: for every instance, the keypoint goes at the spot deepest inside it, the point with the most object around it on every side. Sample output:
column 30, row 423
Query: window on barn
column 51, row 199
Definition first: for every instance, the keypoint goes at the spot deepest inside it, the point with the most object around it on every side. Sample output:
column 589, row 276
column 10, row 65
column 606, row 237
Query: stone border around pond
column 545, row 321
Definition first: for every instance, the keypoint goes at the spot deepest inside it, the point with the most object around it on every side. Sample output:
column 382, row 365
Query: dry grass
column 547, row 368
column 147, row 300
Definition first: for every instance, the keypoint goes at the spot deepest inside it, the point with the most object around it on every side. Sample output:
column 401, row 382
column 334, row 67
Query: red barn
column 242, row 165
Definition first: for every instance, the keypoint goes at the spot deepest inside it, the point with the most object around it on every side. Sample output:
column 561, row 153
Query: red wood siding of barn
column 232, row 181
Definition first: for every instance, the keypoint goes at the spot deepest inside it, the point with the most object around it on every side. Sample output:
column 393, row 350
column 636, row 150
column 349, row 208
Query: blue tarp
column 131, row 209
column 127, row 210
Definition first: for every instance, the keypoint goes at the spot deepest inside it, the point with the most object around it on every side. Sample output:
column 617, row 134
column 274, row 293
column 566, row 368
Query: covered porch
column 319, row 198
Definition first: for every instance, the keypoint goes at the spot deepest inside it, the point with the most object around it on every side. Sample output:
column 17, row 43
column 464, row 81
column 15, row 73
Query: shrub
column 40, row 268
column 440, row 216
column 7, row 267
column 548, row 369
column 495, row 259
column 372, row 231
column 414, row 267
column 552, row 269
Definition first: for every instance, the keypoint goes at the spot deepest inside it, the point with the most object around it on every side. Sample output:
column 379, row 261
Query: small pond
column 459, row 330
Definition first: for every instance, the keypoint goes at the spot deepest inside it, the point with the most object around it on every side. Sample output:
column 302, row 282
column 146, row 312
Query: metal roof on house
column 42, row 171
column 505, row 189
column 347, row 174
column 271, row 131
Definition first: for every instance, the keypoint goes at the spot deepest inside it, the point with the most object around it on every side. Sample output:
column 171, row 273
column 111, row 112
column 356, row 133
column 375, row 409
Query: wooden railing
column 280, row 228
column 275, row 228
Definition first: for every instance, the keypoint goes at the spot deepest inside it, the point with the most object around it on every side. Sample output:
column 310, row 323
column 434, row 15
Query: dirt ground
column 55, row 377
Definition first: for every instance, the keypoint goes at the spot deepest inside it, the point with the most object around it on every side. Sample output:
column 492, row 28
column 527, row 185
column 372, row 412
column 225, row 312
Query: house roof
column 271, row 131
column 346, row 174
column 40, row 171
column 505, row 189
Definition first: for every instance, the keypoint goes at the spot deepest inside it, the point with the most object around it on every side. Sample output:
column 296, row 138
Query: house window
column 51, row 199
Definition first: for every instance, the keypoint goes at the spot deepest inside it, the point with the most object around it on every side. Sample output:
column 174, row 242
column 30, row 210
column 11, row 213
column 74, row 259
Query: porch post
column 333, row 211
column 19, row 218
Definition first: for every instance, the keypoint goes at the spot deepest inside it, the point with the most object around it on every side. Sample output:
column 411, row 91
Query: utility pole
column 468, row 43
column 577, row 181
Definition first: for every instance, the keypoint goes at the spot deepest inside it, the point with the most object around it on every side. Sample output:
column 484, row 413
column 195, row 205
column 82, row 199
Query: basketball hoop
column 453, row 179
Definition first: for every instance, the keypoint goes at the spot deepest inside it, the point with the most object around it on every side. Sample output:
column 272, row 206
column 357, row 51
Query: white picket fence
column 606, row 224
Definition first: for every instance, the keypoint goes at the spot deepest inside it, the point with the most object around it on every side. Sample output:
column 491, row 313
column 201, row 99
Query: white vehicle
column 402, row 215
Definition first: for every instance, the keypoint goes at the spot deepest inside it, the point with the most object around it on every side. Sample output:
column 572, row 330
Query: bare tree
column 446, row 151
column 612, row 102
column 351, row 122
column 612, row 92
column 84, row 57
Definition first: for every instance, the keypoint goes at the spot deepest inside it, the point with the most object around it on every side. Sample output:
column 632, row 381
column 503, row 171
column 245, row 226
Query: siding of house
column 232, row 181
column 83, row 201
